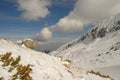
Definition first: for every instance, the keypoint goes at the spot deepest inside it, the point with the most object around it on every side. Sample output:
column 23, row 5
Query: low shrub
column 22, row 71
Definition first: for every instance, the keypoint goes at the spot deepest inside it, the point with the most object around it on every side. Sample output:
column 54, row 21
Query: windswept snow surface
column 98, row 49
column 44, row 67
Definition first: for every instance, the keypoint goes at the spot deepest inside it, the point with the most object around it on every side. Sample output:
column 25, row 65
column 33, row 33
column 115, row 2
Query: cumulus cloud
column 67, row 25
column 43, row 35
column 85, row 12
column 95, row 9
column 34, row 9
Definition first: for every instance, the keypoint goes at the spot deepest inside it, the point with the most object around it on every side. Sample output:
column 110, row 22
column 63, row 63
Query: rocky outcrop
column 29, row 43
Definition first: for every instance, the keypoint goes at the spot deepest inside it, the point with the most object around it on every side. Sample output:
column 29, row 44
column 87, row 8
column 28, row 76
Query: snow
column 98, row 49
column 44, row 67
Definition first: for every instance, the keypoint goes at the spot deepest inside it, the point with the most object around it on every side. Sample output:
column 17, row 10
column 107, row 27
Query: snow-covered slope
column 44, row 67
column 97, row 49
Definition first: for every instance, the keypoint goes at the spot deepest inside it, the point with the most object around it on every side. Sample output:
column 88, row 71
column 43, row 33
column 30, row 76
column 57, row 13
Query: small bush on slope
column 1, row 78
column 99, row 74
column 22, row 71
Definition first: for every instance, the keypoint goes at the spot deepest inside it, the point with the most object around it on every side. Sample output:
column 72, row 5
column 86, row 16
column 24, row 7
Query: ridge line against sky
column 46, row 20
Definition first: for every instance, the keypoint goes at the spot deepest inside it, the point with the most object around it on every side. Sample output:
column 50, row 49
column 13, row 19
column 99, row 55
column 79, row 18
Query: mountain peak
column 111, row 24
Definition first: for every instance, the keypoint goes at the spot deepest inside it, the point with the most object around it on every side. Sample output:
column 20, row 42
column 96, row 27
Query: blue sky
column 13, row 27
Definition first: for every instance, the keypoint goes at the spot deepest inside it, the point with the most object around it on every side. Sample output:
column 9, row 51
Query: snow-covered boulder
column 29, row 43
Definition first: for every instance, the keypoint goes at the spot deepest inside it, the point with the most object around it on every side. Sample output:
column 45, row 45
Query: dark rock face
column 115, row 47
column 102, row 32
column 93, row 32
column 118, row 22
column 118, row 25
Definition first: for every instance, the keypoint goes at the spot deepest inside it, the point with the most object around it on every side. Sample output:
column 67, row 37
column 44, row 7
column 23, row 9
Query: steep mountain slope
column 44, row 67
column 98, row 49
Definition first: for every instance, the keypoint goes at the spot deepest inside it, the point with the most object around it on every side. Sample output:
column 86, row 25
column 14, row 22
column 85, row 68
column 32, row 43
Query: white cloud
column 95, row 9
column 53, row 44
column 34, row 9
column 85, row 12
column 67, row 25
column 43, row 35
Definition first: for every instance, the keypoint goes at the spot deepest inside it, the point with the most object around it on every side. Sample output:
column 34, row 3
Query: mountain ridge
column 107, row 26
column 98, row 48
